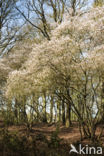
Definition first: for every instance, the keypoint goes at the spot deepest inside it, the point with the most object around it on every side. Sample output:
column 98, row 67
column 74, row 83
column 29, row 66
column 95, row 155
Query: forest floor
column 67, row 136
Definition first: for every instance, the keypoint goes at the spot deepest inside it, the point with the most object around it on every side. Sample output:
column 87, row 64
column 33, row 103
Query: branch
column 44, row 34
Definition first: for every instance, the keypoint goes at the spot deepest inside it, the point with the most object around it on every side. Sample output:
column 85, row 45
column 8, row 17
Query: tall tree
column 9, row 25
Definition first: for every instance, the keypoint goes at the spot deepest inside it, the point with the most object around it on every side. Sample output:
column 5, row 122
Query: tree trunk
column 58, row 112
column 68, row 113
column 51, row 110
column 63, row 112
column 44, row 108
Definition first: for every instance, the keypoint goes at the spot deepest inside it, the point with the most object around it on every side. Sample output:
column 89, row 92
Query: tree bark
column 63, row 112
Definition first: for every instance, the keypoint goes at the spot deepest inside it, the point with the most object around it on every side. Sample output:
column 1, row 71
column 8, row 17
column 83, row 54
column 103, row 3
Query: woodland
column 51, row 76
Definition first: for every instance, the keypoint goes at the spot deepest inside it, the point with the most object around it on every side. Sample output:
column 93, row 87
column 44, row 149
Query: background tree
column 6, row 13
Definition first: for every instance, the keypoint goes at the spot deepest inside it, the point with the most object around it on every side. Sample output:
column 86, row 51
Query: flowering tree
column 69, row 66
column 10, row 62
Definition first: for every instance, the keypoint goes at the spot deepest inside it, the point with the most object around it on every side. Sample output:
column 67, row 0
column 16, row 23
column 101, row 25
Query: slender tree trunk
column 44, row 108
column 67, row 116
column 51, row 110
column 55, row 109
column 68, row 113
column 63, row 112
column 25, row 118
column 37, row 111
column 16, row 110
column 58, row 112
